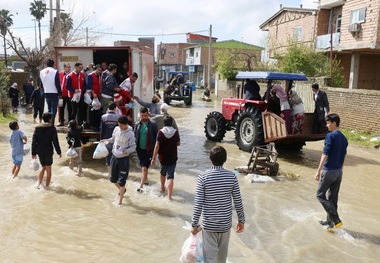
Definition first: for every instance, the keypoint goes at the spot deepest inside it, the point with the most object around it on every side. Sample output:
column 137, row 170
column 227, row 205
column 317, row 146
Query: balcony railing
column 323, row 41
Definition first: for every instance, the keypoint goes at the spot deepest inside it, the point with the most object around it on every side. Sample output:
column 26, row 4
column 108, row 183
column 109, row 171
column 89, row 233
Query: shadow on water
column 162, row 212
column 374, row 239
column 77, row 193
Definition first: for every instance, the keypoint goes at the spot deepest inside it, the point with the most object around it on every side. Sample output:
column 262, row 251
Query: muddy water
column 76, row 220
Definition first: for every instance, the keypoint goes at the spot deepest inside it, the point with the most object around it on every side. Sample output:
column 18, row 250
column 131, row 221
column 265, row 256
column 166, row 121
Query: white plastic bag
column 96, row 104
column 60, row 103
column 26, row 149
column 76, row 97
column 87, row 98
column 34, row 165
column 192, row 248
column 71, row 153
column 101, row 151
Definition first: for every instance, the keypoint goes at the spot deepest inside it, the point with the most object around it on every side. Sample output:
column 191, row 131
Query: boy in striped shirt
column 215, row 190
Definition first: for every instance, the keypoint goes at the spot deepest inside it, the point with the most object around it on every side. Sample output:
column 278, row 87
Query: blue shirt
column 335, row 148
column 17, row 144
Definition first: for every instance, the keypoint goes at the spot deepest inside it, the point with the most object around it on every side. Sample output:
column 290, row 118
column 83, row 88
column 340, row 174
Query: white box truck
column 139, row 61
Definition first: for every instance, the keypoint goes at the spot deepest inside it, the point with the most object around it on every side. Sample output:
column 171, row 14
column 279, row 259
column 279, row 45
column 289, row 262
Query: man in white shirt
column 49, row 80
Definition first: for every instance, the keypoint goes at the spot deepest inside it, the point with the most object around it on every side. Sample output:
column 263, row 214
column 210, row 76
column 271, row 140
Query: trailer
column 139, row 61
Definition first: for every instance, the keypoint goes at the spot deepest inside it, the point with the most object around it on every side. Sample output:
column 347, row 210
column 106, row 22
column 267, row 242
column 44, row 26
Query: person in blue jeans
column 329, row 172
column 17, row 140
column 49, row 81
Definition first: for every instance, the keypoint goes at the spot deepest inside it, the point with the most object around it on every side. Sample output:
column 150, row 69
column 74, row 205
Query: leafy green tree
column 229, row 62
column 38, row 10
column 302, row 58
column 5, row 22
column 4, row 101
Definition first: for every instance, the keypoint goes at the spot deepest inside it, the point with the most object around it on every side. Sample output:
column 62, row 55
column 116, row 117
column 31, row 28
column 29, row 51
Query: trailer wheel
column 215, row 126
column 249, row 129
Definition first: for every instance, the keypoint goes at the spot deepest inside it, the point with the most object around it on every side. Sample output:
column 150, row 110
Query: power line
column 140, row 35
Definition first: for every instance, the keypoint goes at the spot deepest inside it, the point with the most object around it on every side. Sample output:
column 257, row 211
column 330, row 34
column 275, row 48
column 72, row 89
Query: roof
column 234, row 44
column 264, row 25
column 270, row 75
column 199, row 37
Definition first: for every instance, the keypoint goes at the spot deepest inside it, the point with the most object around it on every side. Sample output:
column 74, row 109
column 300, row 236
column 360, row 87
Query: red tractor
column 253, row 124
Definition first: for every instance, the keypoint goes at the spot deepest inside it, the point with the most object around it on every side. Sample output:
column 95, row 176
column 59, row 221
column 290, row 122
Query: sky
column 167, row 21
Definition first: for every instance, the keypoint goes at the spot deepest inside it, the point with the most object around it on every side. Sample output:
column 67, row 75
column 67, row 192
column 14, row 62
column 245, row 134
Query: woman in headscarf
column 13, row 94
column 284, row 104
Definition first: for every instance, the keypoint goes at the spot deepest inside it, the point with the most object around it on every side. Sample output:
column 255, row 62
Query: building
column 287, row 26
column 193, row 57
column 348, row 30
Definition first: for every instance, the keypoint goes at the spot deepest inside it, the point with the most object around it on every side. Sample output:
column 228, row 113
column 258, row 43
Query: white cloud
column 230, row 19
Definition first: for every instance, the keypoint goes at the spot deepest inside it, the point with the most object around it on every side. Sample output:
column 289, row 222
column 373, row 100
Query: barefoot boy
column 17, row 140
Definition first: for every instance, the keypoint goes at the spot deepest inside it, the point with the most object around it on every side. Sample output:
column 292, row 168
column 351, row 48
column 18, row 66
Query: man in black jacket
column 44, row 137
column 321, row 110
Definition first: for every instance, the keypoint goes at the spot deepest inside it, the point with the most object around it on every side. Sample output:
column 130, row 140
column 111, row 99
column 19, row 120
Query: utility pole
column 209, row 60
column 87, row 36
column 55, row 27
column 35, row 33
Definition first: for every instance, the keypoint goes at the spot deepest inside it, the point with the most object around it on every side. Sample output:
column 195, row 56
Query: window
column 298, row 34
column 191, row 52
column 171, row 54
column 196, row 54
column 338, row 23
column 358, row 16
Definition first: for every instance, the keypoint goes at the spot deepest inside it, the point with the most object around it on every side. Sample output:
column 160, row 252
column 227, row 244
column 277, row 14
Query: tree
column 229, row 62
column 38, row 10
column 301, row 58
column 4, row 100
column 67, row 24
column 5, row 22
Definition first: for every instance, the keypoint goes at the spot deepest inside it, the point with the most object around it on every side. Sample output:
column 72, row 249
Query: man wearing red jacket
column 75, row 84
column 65, row 95
column 94, row 84
column 126, row 88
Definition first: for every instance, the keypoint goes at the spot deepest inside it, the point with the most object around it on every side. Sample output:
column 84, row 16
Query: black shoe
column 325, row 223
column 61, row 124
column 140, row 190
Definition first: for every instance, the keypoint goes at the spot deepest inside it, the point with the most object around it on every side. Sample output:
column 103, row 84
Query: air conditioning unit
column 353, row 28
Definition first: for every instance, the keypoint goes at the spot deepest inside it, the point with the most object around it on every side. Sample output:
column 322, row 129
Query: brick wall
column 358, row 109
column 281, row 30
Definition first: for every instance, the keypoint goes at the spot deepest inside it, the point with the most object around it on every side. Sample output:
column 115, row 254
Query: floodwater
column 77, row 219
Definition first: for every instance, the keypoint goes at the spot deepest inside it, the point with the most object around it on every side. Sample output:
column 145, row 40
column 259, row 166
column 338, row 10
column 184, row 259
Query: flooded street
column 77, row 219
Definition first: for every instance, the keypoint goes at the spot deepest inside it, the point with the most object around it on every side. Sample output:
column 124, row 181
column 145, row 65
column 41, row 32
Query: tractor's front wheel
column 215, row 126
column 249, row 129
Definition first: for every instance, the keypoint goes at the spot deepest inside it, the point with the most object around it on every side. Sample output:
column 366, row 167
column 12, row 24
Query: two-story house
column 348, row 30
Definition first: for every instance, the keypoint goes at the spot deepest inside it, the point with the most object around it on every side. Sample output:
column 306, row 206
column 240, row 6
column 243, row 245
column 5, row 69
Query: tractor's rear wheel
column 249, row 129
column 215, row 126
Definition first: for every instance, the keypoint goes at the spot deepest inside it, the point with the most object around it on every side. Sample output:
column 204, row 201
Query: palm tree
column 67, row 24
column 5, row 22
column 38, row 10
